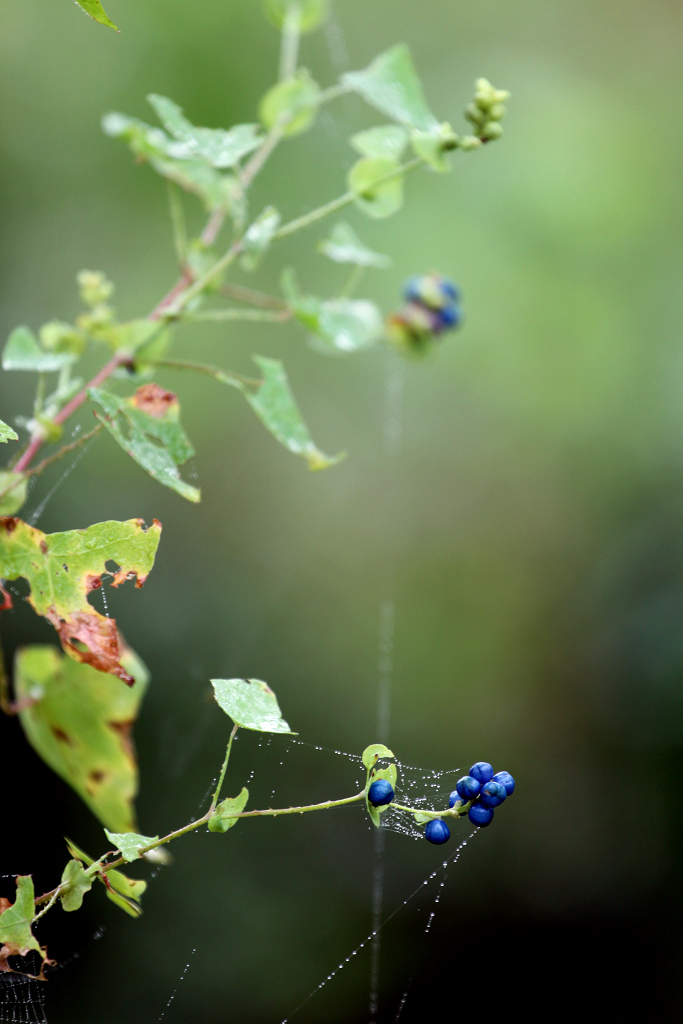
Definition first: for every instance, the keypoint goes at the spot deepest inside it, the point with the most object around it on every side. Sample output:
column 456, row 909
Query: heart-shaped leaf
column 251, row 704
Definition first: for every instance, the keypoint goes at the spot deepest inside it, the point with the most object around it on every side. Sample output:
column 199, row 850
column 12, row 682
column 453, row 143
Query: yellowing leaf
column 148, row 428
column 80, row 722
column 16, row 936
column 63, row 568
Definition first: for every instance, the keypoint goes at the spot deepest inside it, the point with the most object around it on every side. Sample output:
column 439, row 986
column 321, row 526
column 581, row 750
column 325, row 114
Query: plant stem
column 289, row 46
column 75, row 403
column 224, row 769
column 338, row 204
column 224, row 376
column 269, row 316
column 252, row 297
column 54, row 458
column 51, row 903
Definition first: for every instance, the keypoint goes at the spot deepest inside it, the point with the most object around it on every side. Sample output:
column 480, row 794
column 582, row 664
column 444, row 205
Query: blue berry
column 506, row 780
column 454, row 798
column 449, row 316
column 482, row 771
column 492, row 794
column 437, row 831
column 468, row 787
column 479, row 815
column 431, row 290
column 381, row 792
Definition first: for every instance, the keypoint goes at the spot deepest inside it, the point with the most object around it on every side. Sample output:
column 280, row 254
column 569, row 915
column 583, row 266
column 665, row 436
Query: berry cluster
column 487, row 111
column 483, row 790
column 431, row 307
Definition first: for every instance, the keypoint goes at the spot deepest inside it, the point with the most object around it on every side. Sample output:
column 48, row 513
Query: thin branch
column 289, row 46
column 267, row 316
column 252, row 297
column 223, row 770
column 224, row 376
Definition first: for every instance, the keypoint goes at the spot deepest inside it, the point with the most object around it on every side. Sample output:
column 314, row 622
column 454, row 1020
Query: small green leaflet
column 79, row 721
column 377, row 185
column 342, row 324
column 251, row 704
column 223, row 817
column 13, row 489
column 23, row 352
column 274, row 405
column 372, row 754
column 391, row 85
column 344, row 246
column 151, row 415
column 63, row 568
column 95, row 9
column 7, row 434
column 292, row 104
column 258, row 236
column 124, row 892
column 221, row 149
column 386, row 140
column 77, row 882
column 129, row 843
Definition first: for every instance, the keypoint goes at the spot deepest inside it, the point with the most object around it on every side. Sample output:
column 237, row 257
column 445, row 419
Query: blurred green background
column 529, row 531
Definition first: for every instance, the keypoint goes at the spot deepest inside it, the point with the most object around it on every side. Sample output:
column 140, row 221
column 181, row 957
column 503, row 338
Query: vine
column 73, row 706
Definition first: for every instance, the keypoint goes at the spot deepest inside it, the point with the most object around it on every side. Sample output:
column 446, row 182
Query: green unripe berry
column 497, row 112
column 491, row 131
column 94, row 287
column 469, row 142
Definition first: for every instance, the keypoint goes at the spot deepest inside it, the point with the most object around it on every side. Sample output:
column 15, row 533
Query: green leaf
column 311, row 12
column 22, row 352
column 15, row 923
column 344, row 246
column 77, row 882
column 12, row 499
column 293, row 104
column 95, row 9
column 63, row 568
column 251, row 704
column 373, row 753
column 216, row 190
column 148, row 428
column 433, row 146
column 7, row 434
column 123, row 891
column 390, row 84
column 139, row 334
column 129, row 843
column 342, row 324
column 218, row 147
column 223, row 817
column 258, row 236
column 79, row 721
column 386, row 140
column 374, row 195
column 274, row 404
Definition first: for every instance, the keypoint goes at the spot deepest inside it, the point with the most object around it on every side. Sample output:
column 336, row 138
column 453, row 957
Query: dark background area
column 531, row 525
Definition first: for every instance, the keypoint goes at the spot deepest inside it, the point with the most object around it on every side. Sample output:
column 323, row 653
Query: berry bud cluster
column 432, row 307
column 487, row 110
column 483, row 790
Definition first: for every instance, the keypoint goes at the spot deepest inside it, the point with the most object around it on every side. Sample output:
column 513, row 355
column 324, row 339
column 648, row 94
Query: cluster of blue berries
column 432, row 306
column 481, row 789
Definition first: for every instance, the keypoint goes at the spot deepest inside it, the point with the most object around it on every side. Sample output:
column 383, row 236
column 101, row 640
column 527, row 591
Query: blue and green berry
column 432, row 307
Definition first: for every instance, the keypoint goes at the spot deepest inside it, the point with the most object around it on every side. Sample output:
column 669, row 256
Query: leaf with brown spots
column 79, row 721
column 16, row 937
column 62, row 569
